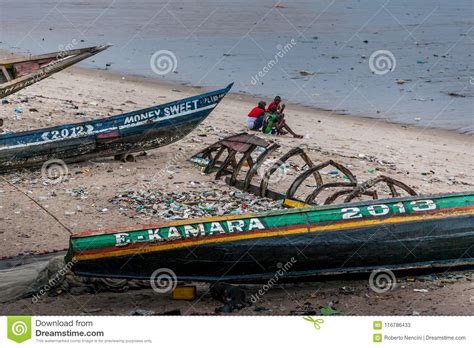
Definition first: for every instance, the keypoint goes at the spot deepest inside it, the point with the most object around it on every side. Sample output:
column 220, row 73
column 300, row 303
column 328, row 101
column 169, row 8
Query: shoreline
column 193, row 90
column 429, row 85
column 241, row 96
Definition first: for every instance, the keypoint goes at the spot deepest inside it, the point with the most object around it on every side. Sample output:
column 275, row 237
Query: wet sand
column 429, row 160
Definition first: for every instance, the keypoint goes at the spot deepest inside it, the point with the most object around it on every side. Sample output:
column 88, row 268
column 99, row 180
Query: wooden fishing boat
column 397, row 233
column 18, row 73
column 122, row 134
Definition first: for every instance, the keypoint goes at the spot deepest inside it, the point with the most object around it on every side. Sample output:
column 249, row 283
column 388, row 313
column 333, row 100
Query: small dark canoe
column 18, row 73
column 127, row 133
column 400, row 233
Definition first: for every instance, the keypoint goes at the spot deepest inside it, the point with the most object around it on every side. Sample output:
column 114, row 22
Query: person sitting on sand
column 277, row 102
column 255, row 116
column 274, row 121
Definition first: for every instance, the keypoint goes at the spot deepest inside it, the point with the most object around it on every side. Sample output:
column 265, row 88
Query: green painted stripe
column 280, row 219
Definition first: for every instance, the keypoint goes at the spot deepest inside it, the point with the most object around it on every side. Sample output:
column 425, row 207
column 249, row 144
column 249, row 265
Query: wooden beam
column 5, row 72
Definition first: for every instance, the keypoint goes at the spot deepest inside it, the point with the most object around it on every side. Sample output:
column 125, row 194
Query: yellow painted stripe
column 149, row 249
column 267, row 234
column 291, row 203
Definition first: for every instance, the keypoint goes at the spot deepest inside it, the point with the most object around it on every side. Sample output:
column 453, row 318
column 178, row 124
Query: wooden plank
column 5, row 72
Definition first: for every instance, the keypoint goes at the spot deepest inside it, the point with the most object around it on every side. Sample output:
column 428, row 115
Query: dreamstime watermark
column 65, row 49
column 178, row 157
column 54, row 171
column 54, row 281
column 282, row 51
column 365, row 186
column 163, row 62
column 275, row 170
column 283, row 269
column 382, row 280
column 44, row 71
column 163, row 280
column 63, row 52
column 19, row 328
column 381, row 62
column 164, row 172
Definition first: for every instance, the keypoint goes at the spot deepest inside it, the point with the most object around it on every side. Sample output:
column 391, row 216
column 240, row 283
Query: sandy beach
column 429, row 160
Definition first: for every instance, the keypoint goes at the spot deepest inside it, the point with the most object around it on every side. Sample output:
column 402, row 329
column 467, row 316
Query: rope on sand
column 37, row 203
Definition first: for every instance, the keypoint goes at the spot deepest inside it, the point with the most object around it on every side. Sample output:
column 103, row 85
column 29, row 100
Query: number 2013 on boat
column 383, row 209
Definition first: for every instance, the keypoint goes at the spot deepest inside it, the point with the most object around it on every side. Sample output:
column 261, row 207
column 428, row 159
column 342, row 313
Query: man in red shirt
column 255, row 116
column 276, row 102
column 281, row 126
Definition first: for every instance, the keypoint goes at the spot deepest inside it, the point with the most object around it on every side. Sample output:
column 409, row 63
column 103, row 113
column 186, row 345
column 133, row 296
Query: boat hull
column 127, row 133
column 41, row 67
column 293, row 250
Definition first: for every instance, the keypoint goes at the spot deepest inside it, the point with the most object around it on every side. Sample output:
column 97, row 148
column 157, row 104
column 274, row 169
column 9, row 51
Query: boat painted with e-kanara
column 398, row 233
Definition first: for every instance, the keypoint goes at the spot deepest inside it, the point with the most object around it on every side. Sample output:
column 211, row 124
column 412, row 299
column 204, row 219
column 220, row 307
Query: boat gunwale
column 115, row 117
column 108, row 231
column 147, row 247
column 69, row 53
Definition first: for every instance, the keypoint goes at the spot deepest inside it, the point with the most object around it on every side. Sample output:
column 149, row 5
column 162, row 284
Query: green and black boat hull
column 400, row 233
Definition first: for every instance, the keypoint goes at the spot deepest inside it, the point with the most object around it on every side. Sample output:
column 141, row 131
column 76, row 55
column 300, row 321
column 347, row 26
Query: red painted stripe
column 107, row 135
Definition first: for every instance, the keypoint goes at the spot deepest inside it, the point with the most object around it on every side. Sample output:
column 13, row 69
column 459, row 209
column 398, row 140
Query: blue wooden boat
column 117, row 135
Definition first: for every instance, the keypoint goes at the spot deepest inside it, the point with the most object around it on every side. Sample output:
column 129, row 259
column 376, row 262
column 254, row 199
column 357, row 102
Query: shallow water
column 216, row 42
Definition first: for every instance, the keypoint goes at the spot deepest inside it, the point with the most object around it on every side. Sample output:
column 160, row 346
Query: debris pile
column 191, row 204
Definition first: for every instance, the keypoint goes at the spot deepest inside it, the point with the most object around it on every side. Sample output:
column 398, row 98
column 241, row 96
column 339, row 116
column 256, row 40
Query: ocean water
column 400, row 61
